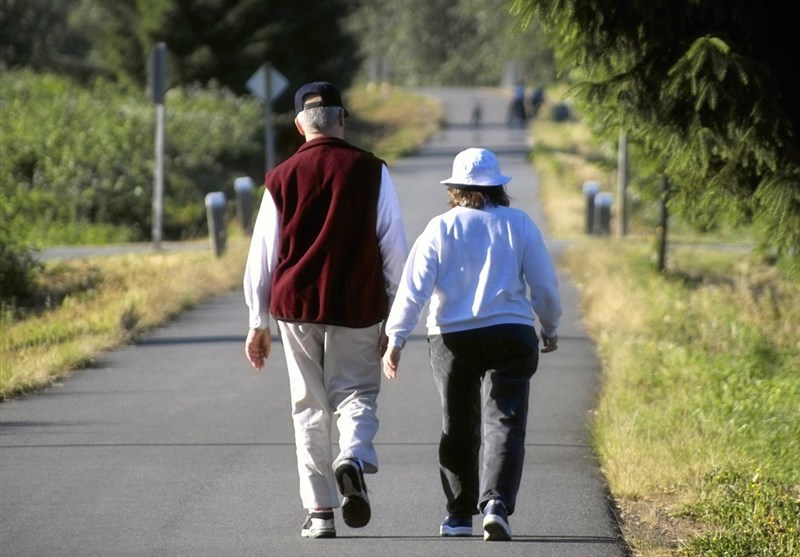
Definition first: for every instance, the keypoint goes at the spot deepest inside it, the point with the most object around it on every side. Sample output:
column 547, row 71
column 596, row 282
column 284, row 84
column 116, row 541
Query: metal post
column 158, row 186
column 158, row 63
column 663, row 222
column 269, row 136
column 267, row 83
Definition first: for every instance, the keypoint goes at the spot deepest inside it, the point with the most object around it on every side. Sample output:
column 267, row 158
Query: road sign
column 157, row 72
column 257, row 84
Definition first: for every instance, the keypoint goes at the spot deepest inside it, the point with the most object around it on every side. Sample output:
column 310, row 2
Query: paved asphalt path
column 175, row 447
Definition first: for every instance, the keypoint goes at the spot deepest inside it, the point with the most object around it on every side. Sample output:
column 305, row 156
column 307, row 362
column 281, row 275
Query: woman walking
column 487, row 274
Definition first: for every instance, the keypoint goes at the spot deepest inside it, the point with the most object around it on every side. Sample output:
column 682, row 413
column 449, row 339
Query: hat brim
column 498, row 180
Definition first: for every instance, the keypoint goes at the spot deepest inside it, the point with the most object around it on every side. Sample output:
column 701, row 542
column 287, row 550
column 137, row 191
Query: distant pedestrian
column 475, row 263
column 476, row 117
column 326, row 256
column 516, row 116
column 537, row 100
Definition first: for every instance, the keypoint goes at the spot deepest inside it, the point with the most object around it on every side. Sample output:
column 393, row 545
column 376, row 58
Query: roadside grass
column 563, row 152
column 86, row 306
column 77, row 233
column 391, row 121
column 697, row 425
column 100, row 303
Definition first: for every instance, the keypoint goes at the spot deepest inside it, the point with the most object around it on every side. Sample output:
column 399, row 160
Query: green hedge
column 76, row 162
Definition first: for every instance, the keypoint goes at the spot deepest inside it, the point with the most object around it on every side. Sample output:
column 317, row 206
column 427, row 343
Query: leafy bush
column 71, row 154
column 17, row 271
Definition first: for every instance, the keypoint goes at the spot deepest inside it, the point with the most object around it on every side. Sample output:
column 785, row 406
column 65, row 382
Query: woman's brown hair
column 478, row 198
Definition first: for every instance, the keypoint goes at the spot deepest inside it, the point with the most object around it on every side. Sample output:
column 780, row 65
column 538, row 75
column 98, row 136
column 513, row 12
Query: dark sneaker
column 456, row 526
column 495, row 522
column 355, row 503
column 319, row 524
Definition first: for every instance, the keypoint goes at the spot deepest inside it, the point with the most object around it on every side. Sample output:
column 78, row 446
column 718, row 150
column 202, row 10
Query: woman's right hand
column 391, row 359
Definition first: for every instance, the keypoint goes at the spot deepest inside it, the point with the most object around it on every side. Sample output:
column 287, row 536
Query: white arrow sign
column 257, row 84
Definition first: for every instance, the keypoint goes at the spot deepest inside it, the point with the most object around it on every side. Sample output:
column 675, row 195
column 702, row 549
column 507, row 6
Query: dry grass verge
column 100, row 303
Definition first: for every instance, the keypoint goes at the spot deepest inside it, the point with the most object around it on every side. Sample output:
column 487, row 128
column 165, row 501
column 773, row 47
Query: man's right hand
column 257, row 346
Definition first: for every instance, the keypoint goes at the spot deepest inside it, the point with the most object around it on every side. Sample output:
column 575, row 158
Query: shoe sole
column 496, row 530
column 317, row 535
column 355, row 506
column 459, row 532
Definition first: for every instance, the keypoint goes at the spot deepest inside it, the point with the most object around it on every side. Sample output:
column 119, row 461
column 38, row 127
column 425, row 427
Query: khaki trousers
column 333, row 371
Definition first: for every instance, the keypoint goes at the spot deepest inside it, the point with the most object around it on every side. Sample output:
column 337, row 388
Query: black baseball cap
column 317, row 93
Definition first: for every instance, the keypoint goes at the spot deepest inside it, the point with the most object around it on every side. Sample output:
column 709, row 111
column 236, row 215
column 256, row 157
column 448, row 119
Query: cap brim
column 319, row 105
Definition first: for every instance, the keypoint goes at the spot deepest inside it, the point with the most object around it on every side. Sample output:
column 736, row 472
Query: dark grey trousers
column 483, row 377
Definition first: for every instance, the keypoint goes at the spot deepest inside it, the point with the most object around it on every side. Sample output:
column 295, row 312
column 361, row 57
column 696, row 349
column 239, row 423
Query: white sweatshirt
column 475, row 267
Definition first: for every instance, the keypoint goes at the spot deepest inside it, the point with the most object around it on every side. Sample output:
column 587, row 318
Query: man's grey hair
column 320, row 119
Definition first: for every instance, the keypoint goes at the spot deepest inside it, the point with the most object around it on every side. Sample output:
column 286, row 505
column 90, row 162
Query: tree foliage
column 114, row 31
column 219, row 41
column 35, row 34
column 709, row 88
column 227, row 40
column 448, row 42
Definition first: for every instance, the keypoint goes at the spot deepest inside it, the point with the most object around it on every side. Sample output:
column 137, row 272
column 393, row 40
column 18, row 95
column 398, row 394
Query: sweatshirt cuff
column 259, row 320
column 396, row 342
column 551, row 331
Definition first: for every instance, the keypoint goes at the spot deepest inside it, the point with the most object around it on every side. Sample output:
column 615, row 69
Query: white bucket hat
column 476, row 167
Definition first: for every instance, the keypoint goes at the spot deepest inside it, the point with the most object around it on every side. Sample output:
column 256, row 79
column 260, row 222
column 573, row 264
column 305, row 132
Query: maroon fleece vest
column 329, row 264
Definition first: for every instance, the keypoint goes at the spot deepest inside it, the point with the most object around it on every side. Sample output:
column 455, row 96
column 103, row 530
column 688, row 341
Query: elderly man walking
column 326, row 257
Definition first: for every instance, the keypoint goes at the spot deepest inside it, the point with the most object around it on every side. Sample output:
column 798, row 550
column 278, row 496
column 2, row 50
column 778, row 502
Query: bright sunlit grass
column 697, row 424
column 701, row 370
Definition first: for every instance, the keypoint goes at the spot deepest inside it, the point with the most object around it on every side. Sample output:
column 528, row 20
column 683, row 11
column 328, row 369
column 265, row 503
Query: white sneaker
column 319, row 524
column 355, row 503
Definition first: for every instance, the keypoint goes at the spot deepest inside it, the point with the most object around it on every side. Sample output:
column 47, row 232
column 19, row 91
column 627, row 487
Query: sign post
column 158, row 78
column 622, row 173
column 267, row 84
column 269, row 135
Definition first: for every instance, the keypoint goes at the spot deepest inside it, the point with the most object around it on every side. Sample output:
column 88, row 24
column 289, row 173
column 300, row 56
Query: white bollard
column 215, row 213
column 243, row 187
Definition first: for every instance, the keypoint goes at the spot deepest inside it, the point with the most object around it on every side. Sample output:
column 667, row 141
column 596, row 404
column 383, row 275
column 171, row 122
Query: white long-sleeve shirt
column 476, row 267
column 263, row 255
